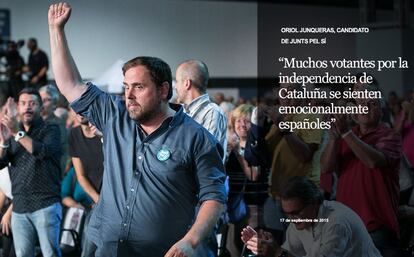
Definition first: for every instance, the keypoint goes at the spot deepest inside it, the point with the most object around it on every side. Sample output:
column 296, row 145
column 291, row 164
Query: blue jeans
column 45, row 223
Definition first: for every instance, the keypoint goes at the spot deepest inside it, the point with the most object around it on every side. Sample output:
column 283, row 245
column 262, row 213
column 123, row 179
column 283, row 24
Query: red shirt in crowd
column 372, row 193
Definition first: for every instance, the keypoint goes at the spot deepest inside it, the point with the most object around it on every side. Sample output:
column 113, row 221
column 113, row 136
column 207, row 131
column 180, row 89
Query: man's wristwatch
column 19, row 135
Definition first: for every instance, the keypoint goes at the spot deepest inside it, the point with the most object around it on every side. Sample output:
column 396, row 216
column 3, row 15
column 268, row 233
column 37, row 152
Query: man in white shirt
column 192, row 78
column 317, row 227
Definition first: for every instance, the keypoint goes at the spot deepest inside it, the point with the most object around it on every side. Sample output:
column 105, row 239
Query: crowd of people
column 18, row 73
column 361, row 167
column 151, row 177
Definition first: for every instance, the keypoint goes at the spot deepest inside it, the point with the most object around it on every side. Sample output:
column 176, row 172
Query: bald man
column 192, row 79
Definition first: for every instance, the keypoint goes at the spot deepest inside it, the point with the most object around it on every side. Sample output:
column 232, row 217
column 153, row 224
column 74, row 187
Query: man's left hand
column 182, row 248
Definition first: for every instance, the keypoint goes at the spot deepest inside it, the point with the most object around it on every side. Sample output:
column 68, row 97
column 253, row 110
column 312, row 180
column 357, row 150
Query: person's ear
column 164, row 89
column 187, row 84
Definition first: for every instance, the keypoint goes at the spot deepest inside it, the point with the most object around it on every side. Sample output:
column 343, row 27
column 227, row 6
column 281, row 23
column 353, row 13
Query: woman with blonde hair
column 245, row 180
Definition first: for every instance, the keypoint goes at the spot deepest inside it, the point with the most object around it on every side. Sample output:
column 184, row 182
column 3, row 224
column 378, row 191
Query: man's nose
column 128, row 94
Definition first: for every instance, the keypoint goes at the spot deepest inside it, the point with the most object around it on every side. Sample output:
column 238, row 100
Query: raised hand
column 233, row 142
column 258, row 116
column 10, row 122
column 59, row 14
column 260, row 243
column 5, row 134
column 341, row 124
column 333, row 132
column 247, row 234
column 10, row 108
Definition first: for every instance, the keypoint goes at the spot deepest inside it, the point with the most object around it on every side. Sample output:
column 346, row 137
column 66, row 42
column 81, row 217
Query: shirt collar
column 195, row 104
column 167, row 123
column 323, row 213
column 36, row 123
column 178, row 116
column 324, row 209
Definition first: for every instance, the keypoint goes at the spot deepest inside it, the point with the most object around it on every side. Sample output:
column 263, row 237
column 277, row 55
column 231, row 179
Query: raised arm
column 66, row 73
column 329, row 154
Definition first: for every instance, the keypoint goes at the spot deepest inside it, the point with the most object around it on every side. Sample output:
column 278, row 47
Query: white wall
column 102, row 31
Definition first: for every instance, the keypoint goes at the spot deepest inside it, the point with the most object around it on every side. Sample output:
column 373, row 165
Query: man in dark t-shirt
column 85, row 148
column 38, row 64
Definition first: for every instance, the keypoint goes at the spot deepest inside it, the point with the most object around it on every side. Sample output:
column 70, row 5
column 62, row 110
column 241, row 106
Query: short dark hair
column 30, row 91
column 160, row 71
column 33, row 40
column 301, row 188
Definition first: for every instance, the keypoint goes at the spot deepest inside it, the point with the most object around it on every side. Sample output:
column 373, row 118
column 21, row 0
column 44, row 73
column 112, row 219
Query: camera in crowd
column 13, row 62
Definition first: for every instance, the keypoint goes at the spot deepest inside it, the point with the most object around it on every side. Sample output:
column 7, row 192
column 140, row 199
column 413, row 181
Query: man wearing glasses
column 317, row 227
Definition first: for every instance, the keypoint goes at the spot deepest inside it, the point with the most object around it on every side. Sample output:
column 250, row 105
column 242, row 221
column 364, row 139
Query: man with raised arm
column 367, row 158
column 158, row 164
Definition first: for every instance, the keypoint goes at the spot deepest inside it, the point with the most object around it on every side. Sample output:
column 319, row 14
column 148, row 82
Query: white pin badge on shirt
column 163, row 154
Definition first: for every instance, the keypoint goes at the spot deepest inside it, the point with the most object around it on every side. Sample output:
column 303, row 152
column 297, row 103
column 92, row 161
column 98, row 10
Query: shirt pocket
column 164, row 160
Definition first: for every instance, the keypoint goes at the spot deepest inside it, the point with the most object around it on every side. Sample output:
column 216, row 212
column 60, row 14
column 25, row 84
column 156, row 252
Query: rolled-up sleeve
column 210, row 170
column 95, row 105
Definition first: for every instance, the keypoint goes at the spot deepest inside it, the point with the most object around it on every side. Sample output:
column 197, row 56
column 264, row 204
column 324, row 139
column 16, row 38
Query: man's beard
column 28, row 121
column 143, row 116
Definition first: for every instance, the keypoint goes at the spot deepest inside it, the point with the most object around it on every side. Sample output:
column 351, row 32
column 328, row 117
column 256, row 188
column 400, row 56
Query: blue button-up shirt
column 151, row 184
